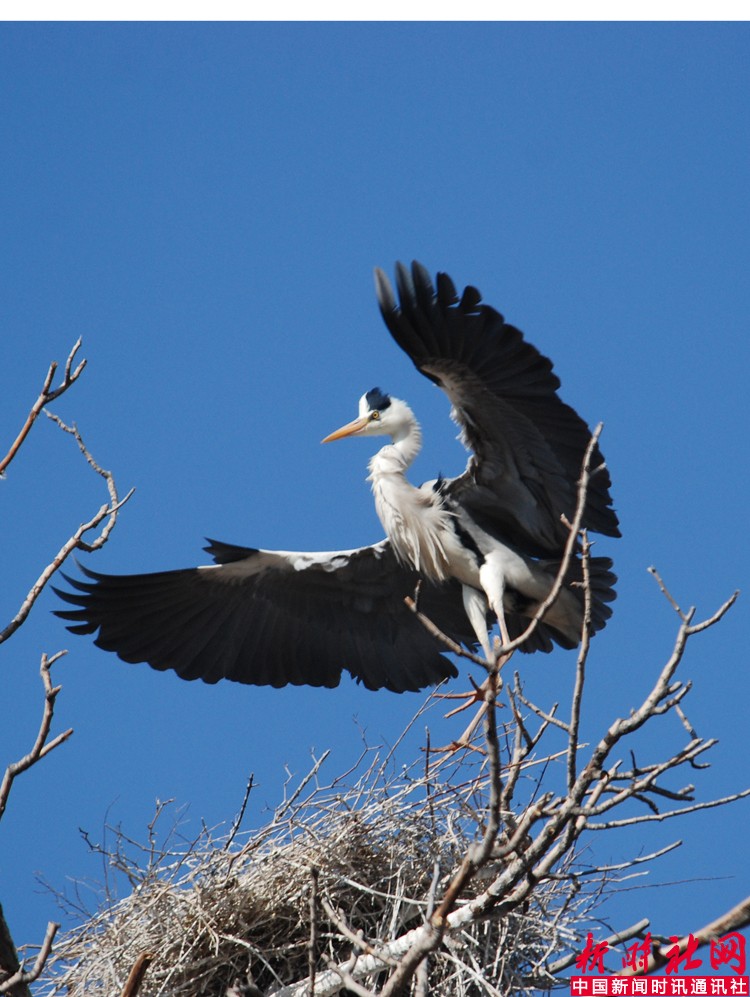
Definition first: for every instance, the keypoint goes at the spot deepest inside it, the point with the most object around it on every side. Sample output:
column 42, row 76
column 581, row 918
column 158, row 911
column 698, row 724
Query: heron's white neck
column 413, row 519
column 406, row 442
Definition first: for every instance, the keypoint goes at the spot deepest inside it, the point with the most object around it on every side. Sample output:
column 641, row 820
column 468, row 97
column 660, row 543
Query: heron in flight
column 486, row 546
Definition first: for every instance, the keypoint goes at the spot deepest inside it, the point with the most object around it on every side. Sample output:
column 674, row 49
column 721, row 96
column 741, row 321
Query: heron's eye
column 375, row 415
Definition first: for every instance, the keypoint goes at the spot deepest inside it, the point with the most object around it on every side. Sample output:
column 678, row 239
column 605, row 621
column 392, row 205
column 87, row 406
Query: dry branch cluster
column 14, row 978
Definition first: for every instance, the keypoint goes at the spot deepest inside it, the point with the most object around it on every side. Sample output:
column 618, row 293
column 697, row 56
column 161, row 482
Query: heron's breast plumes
column 415, row 521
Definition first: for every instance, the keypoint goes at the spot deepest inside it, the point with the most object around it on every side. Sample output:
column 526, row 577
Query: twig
column 48, row 394
column 41, row 745
column 107, row 512
column 282, row 808
column 449, row 643
column 687, row 616
column 312, row 945
column 646, row 818
column 667, row 594
column 238, row 819
column 580, row 679
column 548, row 716
column 357, row 938
column 628, row 863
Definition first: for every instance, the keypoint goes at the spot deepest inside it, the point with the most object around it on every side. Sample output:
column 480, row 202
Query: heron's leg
column 492, row 579
column 504, row 635
column 475, row 604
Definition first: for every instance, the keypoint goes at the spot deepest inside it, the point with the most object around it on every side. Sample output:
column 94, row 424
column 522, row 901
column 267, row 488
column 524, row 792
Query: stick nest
column 335, row 872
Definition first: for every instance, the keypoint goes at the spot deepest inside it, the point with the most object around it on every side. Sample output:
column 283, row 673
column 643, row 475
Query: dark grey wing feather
column 601, row 585
column 528, row 445
column 275, row 618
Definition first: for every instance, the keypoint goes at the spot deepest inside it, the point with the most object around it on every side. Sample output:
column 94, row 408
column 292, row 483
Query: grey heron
column 485, row 545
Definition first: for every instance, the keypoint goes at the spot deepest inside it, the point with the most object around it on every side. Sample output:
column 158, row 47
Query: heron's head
column 379, row 415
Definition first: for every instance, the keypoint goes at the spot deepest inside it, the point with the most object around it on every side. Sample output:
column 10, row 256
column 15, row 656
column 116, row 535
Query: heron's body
column 486, row 545
column 435, row 535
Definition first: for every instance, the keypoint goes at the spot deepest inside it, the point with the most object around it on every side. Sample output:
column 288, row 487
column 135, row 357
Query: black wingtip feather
column 446, row 290
column 404, row 285
column 471, row 299
column 384, row 292
column 224, row 553
column 422, row 287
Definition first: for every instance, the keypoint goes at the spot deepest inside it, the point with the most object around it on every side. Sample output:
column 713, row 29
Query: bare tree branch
column 42, row 746
column 14, row 979
column 9, row 963
column 575, row 710
column 107, row 512
column 312, row 945
column 16, row 984
column 444, row 639
column 47, row 394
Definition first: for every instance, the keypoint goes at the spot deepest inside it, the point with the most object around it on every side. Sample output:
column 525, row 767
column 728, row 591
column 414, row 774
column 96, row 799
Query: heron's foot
column 478, row 694
column 463, row 743
column 470, row 698
column 468, row 740
column 481, row 695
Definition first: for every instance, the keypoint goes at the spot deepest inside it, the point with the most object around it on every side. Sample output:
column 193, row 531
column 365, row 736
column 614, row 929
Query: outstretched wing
column 528, row 445
column 275, row 618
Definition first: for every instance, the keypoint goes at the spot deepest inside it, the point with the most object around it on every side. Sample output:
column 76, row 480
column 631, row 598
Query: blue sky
column 204, row 204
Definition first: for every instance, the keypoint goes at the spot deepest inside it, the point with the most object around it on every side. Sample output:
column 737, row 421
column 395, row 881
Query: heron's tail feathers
column 563, row 622
column 601, row 586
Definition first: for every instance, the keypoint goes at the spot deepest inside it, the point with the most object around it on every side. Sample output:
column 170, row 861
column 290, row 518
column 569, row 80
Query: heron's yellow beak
column 356, row 426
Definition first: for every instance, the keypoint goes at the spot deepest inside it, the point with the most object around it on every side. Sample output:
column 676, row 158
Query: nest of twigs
column 336, row 873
